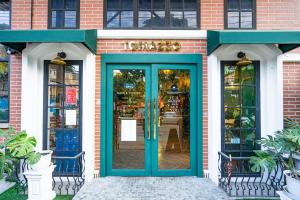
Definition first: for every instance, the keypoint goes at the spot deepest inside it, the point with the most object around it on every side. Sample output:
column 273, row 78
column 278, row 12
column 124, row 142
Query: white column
column 40, row 184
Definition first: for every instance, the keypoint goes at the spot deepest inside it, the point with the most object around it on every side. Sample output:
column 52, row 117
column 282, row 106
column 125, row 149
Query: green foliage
column 281, row 147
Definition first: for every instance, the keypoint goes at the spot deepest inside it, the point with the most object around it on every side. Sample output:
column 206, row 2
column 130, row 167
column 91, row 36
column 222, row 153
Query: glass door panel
column 129, row 114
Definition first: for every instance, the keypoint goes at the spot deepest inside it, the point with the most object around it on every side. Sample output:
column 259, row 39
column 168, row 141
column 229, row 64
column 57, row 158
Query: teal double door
column 151, row 119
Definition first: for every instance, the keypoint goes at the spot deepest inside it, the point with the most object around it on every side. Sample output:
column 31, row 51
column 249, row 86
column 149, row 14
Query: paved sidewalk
column 150, row 188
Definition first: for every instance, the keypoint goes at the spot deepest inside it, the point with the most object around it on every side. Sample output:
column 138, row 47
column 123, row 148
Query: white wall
column 32, row 93
column 270, row 92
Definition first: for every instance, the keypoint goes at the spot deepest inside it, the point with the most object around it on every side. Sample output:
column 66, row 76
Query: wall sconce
column 59, row 59
column 243, row 59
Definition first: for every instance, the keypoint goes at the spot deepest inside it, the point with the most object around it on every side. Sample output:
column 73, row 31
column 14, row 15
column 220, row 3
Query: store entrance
column 151, row 119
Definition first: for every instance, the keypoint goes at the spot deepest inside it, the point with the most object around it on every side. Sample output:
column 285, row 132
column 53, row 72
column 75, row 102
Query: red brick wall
column 278, row 14
column 116, row 46
column 20, row 16
column 212, row 14
column 291, row 90
column 91, row 14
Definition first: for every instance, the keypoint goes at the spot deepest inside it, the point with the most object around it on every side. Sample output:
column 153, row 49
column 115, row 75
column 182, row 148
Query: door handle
column 154, row 119
column 148, row 119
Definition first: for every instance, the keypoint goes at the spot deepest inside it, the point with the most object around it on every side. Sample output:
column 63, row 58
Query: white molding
column 151, row 34
column 290, row 57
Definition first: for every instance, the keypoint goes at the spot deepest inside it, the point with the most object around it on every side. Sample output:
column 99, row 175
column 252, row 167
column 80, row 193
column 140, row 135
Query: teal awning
column 286, row 40
column 17, row 39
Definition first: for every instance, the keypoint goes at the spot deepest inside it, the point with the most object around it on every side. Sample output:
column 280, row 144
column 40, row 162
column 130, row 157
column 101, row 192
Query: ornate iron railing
column 237, row 179
column 67, row 178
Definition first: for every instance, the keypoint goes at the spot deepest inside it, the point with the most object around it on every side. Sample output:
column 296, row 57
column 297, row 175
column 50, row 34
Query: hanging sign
column 161, row 46
column 71, row 94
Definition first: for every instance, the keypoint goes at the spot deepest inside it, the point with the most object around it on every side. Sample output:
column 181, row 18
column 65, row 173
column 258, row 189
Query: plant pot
column 44, row 162
column 293, row 184
column 297, row 161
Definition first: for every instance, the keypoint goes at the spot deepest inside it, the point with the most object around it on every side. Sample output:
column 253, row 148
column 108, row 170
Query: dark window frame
column 253, row 16
column 8, row 85
column 167, row 16
column 257, row 113
column 45, row 101
column 50, row 16
column 10, row 10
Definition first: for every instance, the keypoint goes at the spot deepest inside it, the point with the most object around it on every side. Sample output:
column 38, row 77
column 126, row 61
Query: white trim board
column 290, row 57
column 151, row 34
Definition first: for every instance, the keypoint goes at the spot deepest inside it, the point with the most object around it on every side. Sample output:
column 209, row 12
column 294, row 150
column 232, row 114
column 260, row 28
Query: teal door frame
column 111, row 59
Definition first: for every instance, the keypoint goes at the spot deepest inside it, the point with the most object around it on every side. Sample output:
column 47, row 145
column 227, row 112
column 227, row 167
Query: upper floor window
column 5, row 14
column 240, row 14
column 64, row 14
column 152, row 14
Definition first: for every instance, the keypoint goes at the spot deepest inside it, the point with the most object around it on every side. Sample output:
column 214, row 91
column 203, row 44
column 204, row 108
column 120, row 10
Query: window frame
column 46, row 140
column 10, row 10
column 50, row 16
column 256, row 64
column 8, row 92
column 136, row 18
column 226, row 16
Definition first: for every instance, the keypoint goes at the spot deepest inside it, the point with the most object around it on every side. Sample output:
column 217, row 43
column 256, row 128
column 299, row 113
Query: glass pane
column 158, row 19
column 246, row 19
column 127, row 19
column 248, row 139
column 72, row 75
column 66, row 142
column 145, row 19
column 145, row 4
column 57, row 4
column 190, row 4
column 54, row 118
column 248, row 96
column 231, row 96
column 71, row 4
column 174, row 119
column 71, row 118
column 55, row 74
column 176, row 4
column 233, row 5
column 248, row 75
column 52, row 139
column 176, row 18
column 248, row 117
column 4, row 15
column 70, row 19
column 232, row 139
column 233, row 19
column 190, row 19
column 128, row 119
column 72, row 97
column 246, row 4
column 127, row 4
column 57, row 18
column 159, row 4
column 231, row 75
column 55, row 96
column 113, row 4
column 113, row 19
column 232, row 117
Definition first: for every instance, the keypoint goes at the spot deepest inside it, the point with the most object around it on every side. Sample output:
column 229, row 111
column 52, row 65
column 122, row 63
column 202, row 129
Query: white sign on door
column 128, row 130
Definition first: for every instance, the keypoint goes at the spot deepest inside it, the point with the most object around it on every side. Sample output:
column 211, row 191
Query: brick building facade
column 268, row 15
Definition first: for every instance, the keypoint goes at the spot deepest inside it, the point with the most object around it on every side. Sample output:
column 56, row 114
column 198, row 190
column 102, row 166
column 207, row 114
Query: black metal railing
column 237, row 179
column 68, row 176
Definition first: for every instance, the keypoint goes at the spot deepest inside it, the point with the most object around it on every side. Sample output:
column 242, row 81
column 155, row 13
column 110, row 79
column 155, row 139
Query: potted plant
column 280, row 148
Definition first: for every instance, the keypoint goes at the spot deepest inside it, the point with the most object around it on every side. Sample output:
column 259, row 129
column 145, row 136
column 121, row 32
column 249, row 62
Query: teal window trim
column 106, row 59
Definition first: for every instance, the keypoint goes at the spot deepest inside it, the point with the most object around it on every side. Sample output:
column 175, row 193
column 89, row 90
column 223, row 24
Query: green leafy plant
column 279, row 148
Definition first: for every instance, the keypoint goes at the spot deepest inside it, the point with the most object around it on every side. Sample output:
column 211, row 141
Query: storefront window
column 4, row 86
column 239, row 14
column 152, row 14
column 240, row 106
column 5, row 14
column 64, row 14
